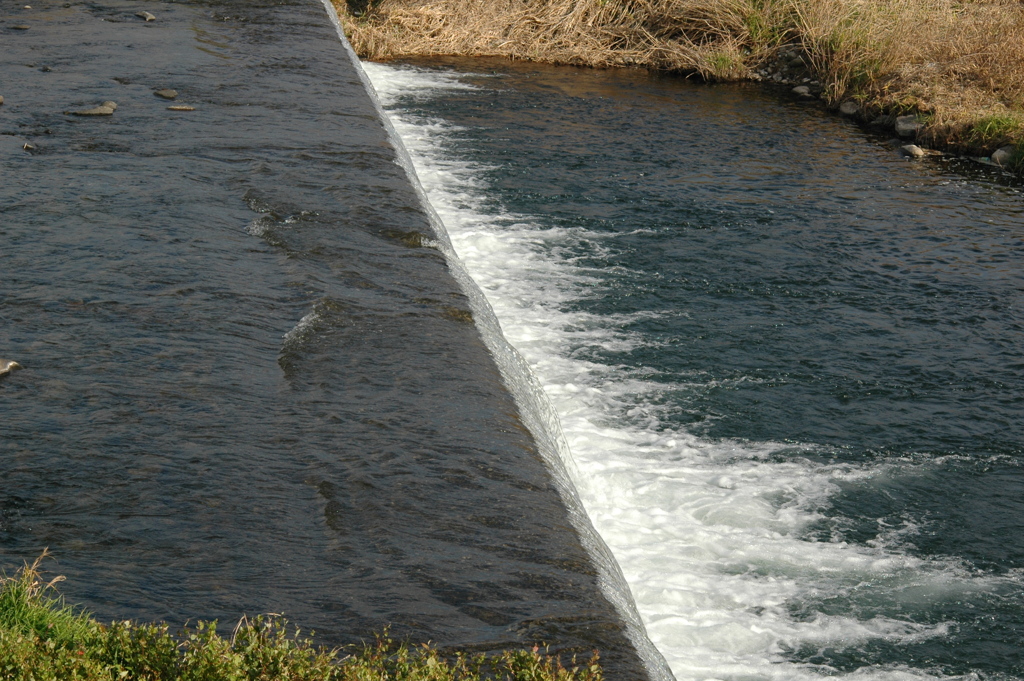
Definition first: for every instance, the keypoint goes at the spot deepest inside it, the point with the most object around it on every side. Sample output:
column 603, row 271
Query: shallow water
column 787, row 362
column 250, row 384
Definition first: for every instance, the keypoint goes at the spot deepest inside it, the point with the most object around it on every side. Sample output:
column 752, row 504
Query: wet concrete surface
column 248, row 387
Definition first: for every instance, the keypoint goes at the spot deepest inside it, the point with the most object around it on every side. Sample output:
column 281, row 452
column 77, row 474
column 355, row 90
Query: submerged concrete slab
column 251, row 385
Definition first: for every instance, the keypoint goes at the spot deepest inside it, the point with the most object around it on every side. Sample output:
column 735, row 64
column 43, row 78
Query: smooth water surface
column 250, row 384
column 788, row 363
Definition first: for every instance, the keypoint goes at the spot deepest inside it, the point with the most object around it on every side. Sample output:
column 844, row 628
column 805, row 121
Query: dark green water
column 788, row 363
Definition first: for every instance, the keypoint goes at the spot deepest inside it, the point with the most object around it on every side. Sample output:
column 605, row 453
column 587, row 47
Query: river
column 786, row 361
column 250, row 385
column 776, row 367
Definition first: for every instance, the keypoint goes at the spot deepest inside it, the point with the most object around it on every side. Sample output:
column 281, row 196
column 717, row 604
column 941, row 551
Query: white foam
column 302, row 329
column 709, row 536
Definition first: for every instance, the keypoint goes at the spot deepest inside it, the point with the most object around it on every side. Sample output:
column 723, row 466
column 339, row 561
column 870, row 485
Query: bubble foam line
column 536, row 411
column 709, row 535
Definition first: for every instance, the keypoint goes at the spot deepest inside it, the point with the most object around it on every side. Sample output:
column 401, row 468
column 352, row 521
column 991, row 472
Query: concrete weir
column 252, row 384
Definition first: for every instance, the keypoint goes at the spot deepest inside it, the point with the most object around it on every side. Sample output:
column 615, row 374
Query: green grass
column 995, row 130
column 44, row 639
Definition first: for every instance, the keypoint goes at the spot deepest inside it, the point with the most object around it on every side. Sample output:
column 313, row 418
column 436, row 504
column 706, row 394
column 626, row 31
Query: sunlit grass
column 961, row 63
column 44, row 639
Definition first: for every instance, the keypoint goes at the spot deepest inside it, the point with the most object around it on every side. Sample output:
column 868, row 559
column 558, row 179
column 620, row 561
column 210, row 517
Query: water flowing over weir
column 538, row 415
column 790, row 386
column 251, row 384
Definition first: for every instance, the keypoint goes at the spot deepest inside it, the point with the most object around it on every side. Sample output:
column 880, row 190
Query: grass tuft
column 996, row 130
column 43, row 639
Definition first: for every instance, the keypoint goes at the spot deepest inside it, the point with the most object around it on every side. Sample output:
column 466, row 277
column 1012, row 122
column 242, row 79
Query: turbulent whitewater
column 741, row 551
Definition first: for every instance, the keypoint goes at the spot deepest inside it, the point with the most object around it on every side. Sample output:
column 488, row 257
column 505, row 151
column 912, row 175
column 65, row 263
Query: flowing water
column 250, row 384
column 787, row 364
column 776, row 367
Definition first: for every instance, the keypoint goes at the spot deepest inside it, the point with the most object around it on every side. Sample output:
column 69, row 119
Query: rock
column 20, row 27
column 110, row 105
column 101, row 110
column 883, row 122
column 166, row 93
column 181, row 107
column 145, row 15
column 1, row 100
column 908, row 126
column 849, row 108
column 7, row 366
column 28, row 147
column 795, row 63
column 912, row 151
column 810, row 94
column 1003, row 155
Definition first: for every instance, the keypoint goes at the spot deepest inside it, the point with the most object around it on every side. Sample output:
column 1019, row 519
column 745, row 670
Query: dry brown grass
column 712, row 39
column 958, row 63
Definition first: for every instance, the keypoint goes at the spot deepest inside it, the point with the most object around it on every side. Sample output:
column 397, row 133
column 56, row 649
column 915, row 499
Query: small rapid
column 732, row 547
column 536, row 411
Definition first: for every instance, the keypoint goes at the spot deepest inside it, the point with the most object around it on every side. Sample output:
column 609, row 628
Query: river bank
column 955, row 67
column 44, row 639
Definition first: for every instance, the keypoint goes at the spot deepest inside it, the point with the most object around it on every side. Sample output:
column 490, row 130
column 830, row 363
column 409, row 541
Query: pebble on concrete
column 7, row 366
column 105, row 109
